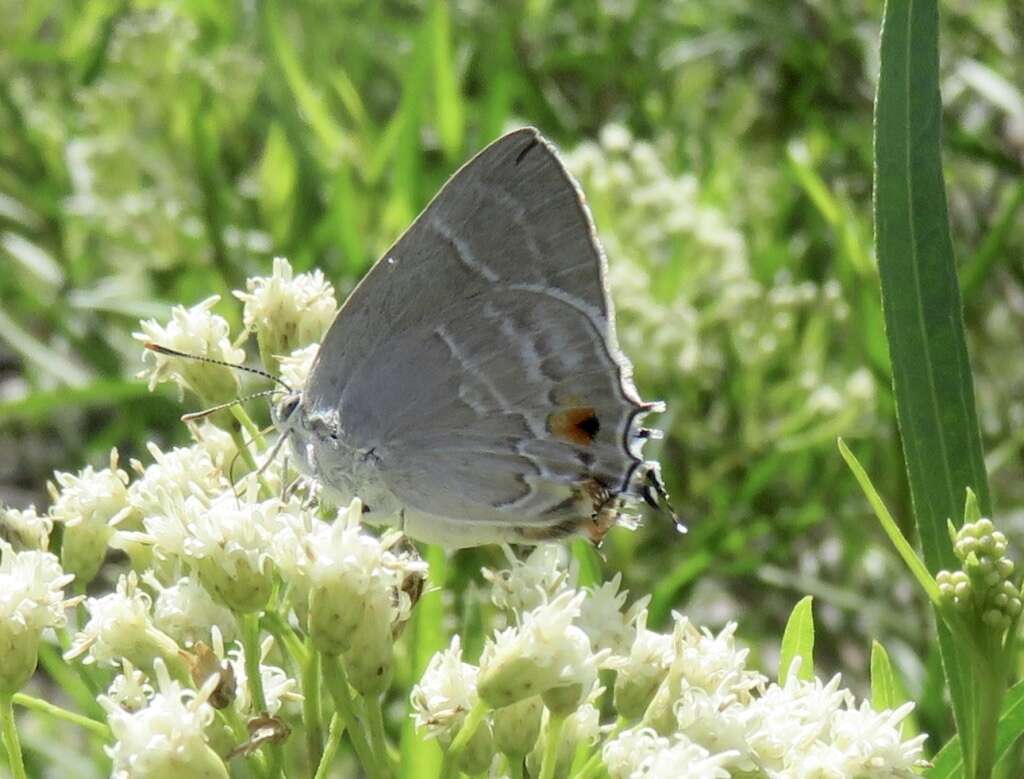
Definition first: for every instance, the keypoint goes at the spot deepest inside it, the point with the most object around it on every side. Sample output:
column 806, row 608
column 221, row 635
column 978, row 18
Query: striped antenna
column 175, row 353
column 197, row 415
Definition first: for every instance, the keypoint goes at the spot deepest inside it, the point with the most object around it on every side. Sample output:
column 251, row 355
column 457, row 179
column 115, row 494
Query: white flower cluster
column 32, row 599
column 687, row 704
column 690, row 307
column 287, row 311
column 130, row 188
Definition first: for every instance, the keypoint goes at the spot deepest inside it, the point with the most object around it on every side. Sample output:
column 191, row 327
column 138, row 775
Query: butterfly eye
column 287, row 407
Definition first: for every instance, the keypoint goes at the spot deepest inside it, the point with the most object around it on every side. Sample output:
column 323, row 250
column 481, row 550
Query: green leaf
column 886, row 691
column 798, row 641
column 949, row 762
column 921, row 301
column 906, row 551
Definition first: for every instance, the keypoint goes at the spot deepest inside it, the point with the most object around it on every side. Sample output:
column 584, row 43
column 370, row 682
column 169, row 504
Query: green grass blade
column 922, row 305
column 949, row 762
column 798, row 641
column 419, row 757
column 447, row 94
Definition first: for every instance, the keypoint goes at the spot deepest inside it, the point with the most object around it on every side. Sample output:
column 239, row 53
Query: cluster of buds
column 983, row 586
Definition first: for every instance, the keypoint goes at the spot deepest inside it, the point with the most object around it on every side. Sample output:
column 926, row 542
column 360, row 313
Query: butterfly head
column 283, row 413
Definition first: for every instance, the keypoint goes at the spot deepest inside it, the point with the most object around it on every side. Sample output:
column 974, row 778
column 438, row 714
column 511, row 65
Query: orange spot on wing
column 577, row 425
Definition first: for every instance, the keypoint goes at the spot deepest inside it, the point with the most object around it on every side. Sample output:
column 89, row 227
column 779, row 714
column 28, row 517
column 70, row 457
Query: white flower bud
column 25, row 529
column 516, row 727
column 31, row 599
column 287, row 312
column 119, row 627
column 86, row 503
column 544, row 653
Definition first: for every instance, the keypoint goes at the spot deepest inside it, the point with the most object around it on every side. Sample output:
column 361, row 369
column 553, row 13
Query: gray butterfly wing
column 478, row 358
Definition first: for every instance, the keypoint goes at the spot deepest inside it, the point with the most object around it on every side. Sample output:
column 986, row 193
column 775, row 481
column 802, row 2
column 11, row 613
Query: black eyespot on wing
column 590, row 426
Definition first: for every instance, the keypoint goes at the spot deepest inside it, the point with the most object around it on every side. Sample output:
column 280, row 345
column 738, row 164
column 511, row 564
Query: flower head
column 167, row 738
column 287, row 311
column 86, row 503
column 545, row 655
column 445, row 693
column 188, row 613
column 120, row 627
column 25, row 529
column 528, row 583
column 195, row 331
column 31, row 599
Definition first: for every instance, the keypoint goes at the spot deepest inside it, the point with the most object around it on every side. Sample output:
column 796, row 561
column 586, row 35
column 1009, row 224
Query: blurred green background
column 155, row 153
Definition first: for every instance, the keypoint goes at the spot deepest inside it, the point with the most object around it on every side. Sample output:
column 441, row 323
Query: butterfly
column 471, row 388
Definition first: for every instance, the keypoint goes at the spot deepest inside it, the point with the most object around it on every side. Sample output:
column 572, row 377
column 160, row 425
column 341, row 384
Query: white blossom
column 287, row 311
column 528, row 583
column 167, row 738
column 445, row 693
column 25, row 529
column 195, row 331
column 86, row 503
column 187, row 612
column 120, row 626
column 31, row 599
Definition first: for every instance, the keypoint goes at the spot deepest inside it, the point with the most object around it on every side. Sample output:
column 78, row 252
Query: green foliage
column 798, row 641
column 921, row 297
column 153, row 154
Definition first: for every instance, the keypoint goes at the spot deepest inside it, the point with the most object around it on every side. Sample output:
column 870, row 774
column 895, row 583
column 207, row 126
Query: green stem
column 336, row 680
column 311, row 708
column 10, row 738
column 251, row 644
column 467, row 731
column 95, row 727
column 378, row 738
column 990, row 678
column 243, row 448
column 515, row 767
column 553, row 736
column 334, row 733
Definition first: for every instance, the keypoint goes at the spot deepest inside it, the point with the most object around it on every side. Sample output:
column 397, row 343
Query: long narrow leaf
column 921, row 300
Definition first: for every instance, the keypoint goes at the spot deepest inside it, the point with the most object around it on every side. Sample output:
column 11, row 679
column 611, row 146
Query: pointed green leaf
column 798, row 641
column 886, row 690
column 921, row 301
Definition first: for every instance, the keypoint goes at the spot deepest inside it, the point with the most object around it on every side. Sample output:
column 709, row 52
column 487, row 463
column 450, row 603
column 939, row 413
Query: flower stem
column 515, row 767
column 334, row 733
column 95, row 727
column 254, row 677
column 10, row 738
column 990, row 679
column 467, row 731
column 378, row 738
column 311, row 707
column 251, row 643
column 337, row 682
column 547, row 766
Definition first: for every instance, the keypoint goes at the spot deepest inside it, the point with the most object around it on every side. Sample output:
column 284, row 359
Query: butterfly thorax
column 322, row 451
